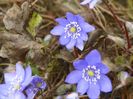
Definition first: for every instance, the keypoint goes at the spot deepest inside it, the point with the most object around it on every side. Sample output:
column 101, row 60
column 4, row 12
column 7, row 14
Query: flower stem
column 75, row 52
column 121, row 24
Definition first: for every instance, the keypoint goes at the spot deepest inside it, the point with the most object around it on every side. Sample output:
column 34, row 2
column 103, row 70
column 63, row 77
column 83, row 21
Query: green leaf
column 130, row 8
column 120, row 60
column 35, row 71
column 34, row 22
column 130, row 4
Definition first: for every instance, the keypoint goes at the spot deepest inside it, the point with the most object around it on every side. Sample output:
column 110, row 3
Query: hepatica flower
column 15, row 83
column 92, row 3
column 90, row 75
column 72, row 31
column 36, row 85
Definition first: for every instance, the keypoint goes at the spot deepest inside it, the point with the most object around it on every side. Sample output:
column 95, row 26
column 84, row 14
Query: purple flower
column 91, row 3
column 15, row 83
column 90, row 75
column 36, row 85
column 72, row 31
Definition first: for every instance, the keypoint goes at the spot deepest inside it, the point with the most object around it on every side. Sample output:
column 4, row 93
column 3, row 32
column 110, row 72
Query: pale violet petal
column 80, row 64
column 93, row 57
column 85, row 2
column 74, row 77
column 71, row 44
column 82, row 86
column 105, row 84
column 57, row 30
column 93, row 91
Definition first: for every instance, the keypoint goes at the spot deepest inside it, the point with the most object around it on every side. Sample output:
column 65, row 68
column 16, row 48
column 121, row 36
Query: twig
column 75, row 52
column 127, row 36
column 33, row 3
column 121, row 24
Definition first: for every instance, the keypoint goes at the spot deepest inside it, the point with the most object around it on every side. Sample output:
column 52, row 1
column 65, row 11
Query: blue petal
column 20, row 71
column 80, row 44
column 82, row 86
column 8, row 77
column 4, row 89
column 80, row 18
column 57, row 30
column 84, row 25
column 83, row 36
column 103, row 68
column 70, row 17
column 93, row 3
column 93, row 91
column 85, row 2
column 11, row 96
column 62, row 21
column 87, row 27
column 19, row 95
column 80, row 64
column 74, row 77
column 71, row 44
column 2, row 97
column 64, row 40
column 105, row 84
column 28, row 77
column 31, row 92
column 36, row 80
column 93, row 57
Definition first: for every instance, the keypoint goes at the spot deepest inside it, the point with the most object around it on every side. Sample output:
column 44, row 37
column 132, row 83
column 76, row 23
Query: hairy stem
column 121, row 24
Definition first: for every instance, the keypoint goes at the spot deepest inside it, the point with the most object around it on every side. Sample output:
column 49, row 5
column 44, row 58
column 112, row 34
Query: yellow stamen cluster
column 72, row 29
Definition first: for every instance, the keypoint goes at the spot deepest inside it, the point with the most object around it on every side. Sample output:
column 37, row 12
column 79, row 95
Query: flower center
column 39, row 84
column 91, row 74
column 72, row 30
column 15, row 84
column 17, row 87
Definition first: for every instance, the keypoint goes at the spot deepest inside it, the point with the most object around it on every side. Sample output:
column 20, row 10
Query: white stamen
column 74, row 35
column 91, row 79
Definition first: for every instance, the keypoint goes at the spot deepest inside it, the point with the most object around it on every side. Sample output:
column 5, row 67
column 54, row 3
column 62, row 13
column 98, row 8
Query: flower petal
column 84, row 36
column 31, row 92
column 105, row 84
column 80, row 64
column 57, row 30
column 62, row 21
column 4, row 89
column 64, row 40
column 85, row 2
column 20, row 71
column 70, row 17
column 93, row 3
column 19, row 95
column 82, row 86
column 93, row 91
column 8, row 77
column 80, row 18
column 71, row 44
column 38, row 80
column 28, row 77
column 87, row 27
column 103, row 68
column 2, row 97
column 74, row 77
column 80, row 44
column 93, row 57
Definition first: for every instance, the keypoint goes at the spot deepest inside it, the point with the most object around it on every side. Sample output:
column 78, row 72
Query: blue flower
column 36, row 85
column 72, row 31
column 91, row 3
column 90, row 75
column 15, row 83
